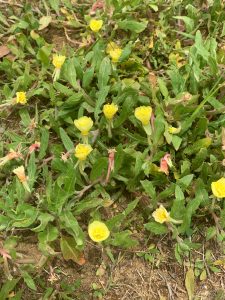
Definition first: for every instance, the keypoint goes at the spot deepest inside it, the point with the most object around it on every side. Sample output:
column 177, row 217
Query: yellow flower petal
column 161, row 215
column 58, row 60
column 95, row 25
column 21, row 98
column 98, row 231
column 143, row 114
column 82, row 151
column 84, row 124
column 114, row 51
column 174, row 130
column 218, row 188
column 110, row 110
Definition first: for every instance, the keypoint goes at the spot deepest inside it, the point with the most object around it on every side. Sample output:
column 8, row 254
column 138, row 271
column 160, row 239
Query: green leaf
column 159, row 125
column 28, row 280
column 149, row 189
column 44, row 54
column 163, row 88
column 68, row 144
column 194, row 148
column 87, row 204
column 133, row 26
column 69, row 250
column 210, row 233
column 32, row 170
column 44, row 219
column 102, row 94
column 63, row 89
column 104, row 73
column 99, row 168
column 156, row 228
column 199, row 44
column 69, row 222
column 69, row 72
column 87, row 77
column 189, row 23
column 8, row 287
column 123, row 239
column 185, row 181
column 54, row 4
column 176, row 141
column 190, row 283
column 44, row 142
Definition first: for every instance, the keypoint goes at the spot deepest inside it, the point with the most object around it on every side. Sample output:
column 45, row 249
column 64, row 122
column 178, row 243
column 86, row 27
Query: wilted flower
column 143, row 114
column 110, row 110
column 98, row 231
column 34, row 147
column 218, row 188
column 165, row 163
column 82, row 151
column 11, row 155
column 84, row 124
column 21, row 98
column 95, row 25
column 20, row 173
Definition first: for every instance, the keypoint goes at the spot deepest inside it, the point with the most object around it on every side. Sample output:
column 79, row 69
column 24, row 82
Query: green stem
column 213, row 205
column 109, row 127
column 85, row 139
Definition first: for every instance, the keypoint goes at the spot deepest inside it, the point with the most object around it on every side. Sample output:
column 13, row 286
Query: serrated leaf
column 69, row 250
column 190, row 283
column 156, row 228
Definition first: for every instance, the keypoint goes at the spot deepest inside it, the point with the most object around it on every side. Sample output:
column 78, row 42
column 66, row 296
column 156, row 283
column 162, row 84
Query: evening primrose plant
column 100, row 121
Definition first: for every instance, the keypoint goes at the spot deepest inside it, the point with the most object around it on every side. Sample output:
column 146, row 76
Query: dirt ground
column 128, row 277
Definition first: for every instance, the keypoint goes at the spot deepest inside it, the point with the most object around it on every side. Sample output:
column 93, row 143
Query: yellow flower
column 114, row 51
column 21, row 98
column 218, row 188
column 143, row 114
column 174, row 130
column 161, row 215
column 20, row 173
column 58, row 60
column 95, row 25
column 82, row 151
column 110, row 110
column 98, row 231
column 84, row 124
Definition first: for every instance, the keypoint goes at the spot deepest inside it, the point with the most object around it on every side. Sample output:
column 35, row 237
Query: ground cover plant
column 112, row 141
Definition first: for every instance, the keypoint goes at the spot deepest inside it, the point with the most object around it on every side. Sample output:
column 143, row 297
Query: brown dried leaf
column 4, row 50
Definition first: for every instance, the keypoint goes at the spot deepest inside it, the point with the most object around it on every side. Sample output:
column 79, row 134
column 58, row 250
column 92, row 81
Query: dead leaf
column 4, row 50
column 190, row 283
column 44, row 22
